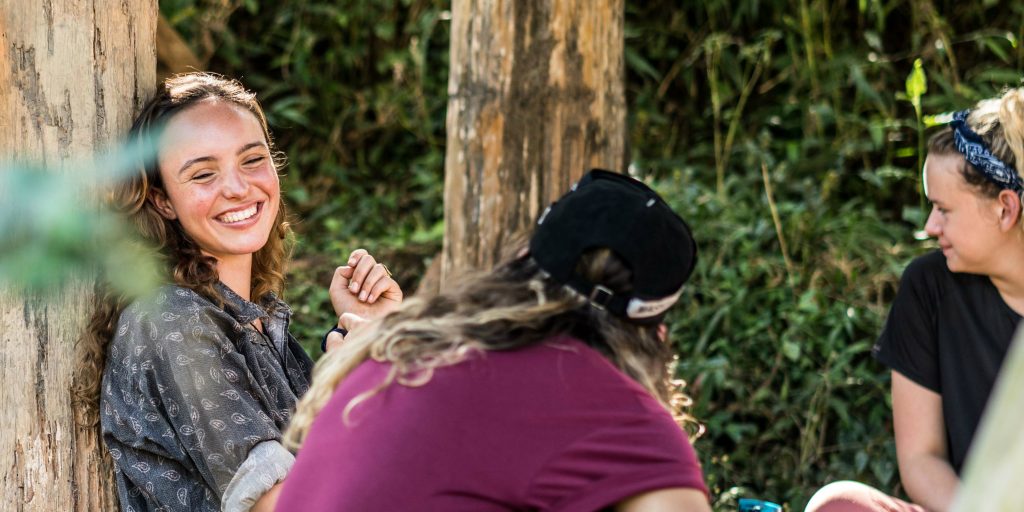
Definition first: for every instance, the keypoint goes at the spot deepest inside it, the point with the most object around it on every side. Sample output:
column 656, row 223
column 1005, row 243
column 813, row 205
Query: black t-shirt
column 948, row 332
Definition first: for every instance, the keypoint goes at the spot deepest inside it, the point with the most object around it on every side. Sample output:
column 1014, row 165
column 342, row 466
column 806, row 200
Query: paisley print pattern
column 189, row 388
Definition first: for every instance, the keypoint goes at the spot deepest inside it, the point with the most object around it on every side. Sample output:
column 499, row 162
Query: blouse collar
column 245, row 311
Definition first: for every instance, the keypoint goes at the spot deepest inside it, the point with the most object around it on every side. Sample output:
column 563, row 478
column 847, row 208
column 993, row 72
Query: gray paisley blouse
column 190, row 388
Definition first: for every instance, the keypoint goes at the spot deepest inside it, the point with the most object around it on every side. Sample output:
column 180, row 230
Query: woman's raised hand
column 364, row 287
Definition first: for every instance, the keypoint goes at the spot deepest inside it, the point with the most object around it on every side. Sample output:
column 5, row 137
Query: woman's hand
column 348, row 321
column 364, row 288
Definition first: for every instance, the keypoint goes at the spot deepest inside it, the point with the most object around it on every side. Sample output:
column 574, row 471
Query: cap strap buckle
column 600, row 296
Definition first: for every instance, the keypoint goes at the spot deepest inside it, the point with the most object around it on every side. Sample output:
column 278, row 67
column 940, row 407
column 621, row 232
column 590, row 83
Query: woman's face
column 965, row 223
column 219, row 179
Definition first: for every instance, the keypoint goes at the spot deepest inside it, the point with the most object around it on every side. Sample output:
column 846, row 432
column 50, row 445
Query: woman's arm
column 361, row 290
column 268, row 501
column 257, row 478
column 924, row 464
column 348, row 321
column 678, row 499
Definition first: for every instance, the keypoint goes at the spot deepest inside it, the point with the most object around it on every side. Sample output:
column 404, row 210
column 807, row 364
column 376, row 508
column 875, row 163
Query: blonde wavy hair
column 184, row 262
column 1000, row 123
column 515, row 305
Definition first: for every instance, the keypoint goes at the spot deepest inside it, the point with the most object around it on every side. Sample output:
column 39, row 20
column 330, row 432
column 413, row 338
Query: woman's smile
column 239, row 216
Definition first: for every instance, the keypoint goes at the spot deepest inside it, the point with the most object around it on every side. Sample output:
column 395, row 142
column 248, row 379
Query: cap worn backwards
column 611, row 210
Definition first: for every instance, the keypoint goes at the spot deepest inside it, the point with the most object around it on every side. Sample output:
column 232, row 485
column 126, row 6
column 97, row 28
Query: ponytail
column 1011, row 119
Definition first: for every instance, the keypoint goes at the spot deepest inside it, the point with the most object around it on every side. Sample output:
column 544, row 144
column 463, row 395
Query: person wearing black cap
column 541, row 385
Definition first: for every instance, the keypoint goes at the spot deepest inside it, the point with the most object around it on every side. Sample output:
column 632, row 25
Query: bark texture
column 72, row 73
column 535, row 99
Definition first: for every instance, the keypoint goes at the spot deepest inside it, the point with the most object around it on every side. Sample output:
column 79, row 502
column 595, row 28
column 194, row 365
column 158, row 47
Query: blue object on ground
column 752, row 505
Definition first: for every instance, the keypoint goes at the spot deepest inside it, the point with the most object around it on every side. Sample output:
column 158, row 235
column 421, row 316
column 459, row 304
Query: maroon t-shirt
column 553, row 426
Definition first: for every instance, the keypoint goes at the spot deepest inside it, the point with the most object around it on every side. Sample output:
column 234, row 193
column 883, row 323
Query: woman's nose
column 235, row 184
column 933, row 226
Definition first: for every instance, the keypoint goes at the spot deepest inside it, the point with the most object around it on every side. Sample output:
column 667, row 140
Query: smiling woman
column 195, row 382
column 953, row 319
column 228, row 197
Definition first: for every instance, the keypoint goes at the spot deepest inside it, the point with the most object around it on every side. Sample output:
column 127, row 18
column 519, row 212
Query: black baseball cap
column 606, row 209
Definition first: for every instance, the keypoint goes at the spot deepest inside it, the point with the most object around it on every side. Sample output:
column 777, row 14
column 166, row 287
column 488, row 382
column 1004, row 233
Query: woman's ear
column 1010, row 209
column 162, row 204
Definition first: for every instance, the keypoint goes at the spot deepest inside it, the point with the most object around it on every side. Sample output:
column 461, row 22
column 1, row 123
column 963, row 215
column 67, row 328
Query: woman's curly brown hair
column 185, row 264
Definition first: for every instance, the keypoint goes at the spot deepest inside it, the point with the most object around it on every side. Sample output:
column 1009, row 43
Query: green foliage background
column 738, row 109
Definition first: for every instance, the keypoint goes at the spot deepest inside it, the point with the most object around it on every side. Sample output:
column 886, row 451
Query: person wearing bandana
column 957, row 308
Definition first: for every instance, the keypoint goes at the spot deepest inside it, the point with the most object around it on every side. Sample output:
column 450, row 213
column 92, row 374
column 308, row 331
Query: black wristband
column 323, row 342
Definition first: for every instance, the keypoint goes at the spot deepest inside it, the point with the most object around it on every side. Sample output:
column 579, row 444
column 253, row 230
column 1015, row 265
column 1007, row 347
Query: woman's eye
column 254, row 160
column 201, row 176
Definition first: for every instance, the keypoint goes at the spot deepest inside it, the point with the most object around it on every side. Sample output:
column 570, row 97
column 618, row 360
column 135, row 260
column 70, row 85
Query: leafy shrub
column 775, row 346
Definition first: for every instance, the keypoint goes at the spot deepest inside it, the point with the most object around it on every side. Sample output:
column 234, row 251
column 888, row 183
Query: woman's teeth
column 238, row 216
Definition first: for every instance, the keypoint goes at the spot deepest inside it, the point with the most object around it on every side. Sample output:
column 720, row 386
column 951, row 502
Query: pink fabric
column 849, row 496
column 554, row 426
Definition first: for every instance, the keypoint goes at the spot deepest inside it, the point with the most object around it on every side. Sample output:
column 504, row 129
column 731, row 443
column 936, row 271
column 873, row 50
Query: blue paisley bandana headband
column 975, row 151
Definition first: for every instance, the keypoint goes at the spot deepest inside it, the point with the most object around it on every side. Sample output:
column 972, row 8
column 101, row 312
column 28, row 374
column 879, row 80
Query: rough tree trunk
column 535, row 99
column 72, row 73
